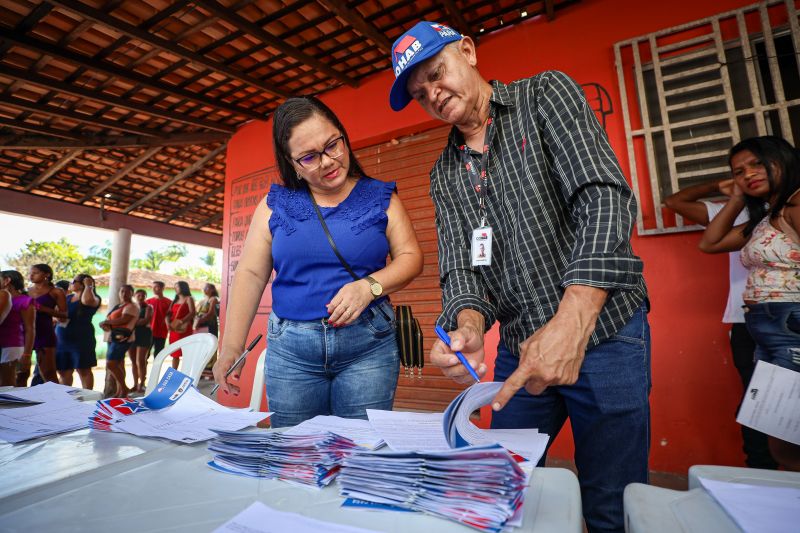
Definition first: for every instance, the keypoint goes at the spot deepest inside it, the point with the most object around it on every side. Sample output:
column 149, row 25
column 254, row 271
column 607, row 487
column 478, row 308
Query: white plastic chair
column 196, row 352
column 258, row 391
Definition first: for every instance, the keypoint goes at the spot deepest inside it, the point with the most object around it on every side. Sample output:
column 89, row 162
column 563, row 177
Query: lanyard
column 480, row 180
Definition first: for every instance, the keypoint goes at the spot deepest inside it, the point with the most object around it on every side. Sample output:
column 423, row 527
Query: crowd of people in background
column 54, row 320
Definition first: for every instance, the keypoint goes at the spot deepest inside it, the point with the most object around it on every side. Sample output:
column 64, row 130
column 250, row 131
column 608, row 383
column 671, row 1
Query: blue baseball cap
column 423, row 41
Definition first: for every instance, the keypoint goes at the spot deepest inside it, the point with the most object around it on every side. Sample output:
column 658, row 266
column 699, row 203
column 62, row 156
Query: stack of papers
column 459, row 431
column 175, row 410
column 45, row 392
column 478, row 486
column 48, row 418
column 428, row 432
column 312, row 460
column 358, row 431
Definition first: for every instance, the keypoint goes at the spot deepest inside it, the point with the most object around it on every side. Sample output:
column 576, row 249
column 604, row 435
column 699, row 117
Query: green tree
column 100, row 256
column 208, row 274
column 210, row 259
column 153, row 259
column 64, row 258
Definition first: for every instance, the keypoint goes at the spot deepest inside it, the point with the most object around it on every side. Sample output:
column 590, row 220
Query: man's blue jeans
column 775, row 327
column 610, row 414
column 315, row 369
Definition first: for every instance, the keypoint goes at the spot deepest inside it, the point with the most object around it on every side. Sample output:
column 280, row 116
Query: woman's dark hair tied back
column 15, row 278
column 774, row 153
column 286, row 118
column 46, row 270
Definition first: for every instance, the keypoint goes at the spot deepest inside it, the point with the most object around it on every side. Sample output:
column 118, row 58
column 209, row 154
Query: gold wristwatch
column 374, row 286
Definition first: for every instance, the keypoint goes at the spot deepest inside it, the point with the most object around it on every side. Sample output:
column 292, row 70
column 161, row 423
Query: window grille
column 690, row 92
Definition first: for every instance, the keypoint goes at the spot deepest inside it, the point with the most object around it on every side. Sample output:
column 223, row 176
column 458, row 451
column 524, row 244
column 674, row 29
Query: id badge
column 482, row 246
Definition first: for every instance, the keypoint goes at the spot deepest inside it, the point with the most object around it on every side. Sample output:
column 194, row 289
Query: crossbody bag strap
column 345, row 264
column 330, row 238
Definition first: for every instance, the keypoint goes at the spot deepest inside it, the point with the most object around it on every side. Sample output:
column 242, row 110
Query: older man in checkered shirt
column 528, row 172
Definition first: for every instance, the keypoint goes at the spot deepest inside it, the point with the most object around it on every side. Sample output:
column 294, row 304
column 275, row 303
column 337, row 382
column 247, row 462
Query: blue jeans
column 117, row 350
column 315, row 369
column 610, row 414
column 775, row 326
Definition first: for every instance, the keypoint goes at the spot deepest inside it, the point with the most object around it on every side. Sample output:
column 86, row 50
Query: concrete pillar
column 120, row 261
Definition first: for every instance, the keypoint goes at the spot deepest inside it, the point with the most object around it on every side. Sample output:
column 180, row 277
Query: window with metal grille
column 689, row 93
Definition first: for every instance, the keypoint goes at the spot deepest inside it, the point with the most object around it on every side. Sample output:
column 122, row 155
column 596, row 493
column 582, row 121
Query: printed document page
column 258, row 518
column 772, row 402
column 408, row 432
column 358, row 431
column 46, row 392
column 757, row 508
column 23, row 423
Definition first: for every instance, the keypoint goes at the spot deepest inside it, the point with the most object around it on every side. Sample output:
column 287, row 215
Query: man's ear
column 467, row 47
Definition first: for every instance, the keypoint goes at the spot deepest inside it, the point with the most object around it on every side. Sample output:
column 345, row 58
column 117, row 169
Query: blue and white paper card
column 171, row 386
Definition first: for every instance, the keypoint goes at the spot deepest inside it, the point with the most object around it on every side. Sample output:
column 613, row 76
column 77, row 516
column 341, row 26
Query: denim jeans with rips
column 609, row 410
column 315, row 369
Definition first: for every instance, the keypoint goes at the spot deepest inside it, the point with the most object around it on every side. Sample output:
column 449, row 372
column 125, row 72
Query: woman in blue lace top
column 331, row 346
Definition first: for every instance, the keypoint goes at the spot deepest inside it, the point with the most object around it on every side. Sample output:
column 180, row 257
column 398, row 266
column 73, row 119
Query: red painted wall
column 695, row 386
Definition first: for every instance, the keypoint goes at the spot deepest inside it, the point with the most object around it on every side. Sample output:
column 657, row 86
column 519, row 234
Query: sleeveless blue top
column 307, row 272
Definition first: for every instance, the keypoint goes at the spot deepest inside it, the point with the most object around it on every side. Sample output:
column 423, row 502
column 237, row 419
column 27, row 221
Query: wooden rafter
column 57, row 112
column 25, row 76
column 260, row 33
column 108, row 83
column 52, row 169
column 358, row 23
column 124, row 171
column 194, row 167
column 50, row 139
column 210, row 220
column 109, row 69
column 169, row 46
column 26, row 24
column 460, row 22
column 196, row 203
column 51, row 133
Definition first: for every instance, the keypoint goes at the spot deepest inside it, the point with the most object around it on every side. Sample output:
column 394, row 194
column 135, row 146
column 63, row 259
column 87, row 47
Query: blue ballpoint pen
column 446, row 339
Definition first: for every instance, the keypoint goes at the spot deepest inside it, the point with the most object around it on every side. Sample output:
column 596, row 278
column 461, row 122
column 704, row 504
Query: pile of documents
column 47, row 391
column 357, row 430
column 56, row 411
column 175, row 410
column 405, row 432
column 313, row 459
column 478, row 486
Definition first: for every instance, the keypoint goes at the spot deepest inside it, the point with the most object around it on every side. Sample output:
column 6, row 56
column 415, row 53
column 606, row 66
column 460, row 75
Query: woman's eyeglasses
column 313, row 160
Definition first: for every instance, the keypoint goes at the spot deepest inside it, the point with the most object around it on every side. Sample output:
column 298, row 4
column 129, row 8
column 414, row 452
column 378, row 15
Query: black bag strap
column 345, row 264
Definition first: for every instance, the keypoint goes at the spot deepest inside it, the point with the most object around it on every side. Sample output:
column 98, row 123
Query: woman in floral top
column 766, row 172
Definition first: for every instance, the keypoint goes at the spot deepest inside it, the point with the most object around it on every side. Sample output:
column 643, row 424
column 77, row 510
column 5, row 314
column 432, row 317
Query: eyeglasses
column 313, row 160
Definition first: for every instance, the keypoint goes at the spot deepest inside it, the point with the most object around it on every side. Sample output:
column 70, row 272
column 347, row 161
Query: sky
column 16, row 230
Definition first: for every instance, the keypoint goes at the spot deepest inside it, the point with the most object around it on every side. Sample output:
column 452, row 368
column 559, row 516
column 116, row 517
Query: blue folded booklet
column 171, row 386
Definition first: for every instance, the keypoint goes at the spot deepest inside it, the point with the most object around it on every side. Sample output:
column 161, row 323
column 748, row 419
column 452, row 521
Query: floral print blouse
column 772, row 258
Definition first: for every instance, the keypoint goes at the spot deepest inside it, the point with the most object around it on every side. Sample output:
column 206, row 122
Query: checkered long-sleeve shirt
column 559, row 207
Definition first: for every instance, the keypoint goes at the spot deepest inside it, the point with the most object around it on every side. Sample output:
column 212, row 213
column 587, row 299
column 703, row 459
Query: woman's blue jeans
column 775, row 327
column 609, row 410
column 315, row 369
